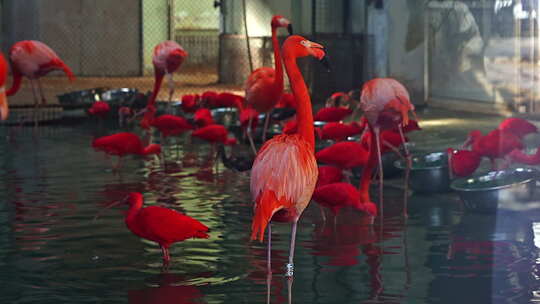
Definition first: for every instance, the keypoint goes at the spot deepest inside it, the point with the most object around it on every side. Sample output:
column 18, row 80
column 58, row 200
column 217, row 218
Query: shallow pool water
column 53, row 251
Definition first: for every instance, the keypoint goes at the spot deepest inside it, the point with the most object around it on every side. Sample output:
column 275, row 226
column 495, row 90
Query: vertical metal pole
column 427, row 42
column 247, row 37
column 313, row 17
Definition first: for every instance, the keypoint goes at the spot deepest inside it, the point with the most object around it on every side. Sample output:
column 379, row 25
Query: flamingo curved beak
column 4, row 110
column 326, row 63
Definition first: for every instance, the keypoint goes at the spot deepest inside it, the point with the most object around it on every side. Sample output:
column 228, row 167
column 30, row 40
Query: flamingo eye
column 305, row 43
column 282, row 21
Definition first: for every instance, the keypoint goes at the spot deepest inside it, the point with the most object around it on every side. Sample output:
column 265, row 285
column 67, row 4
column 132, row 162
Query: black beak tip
column 290, row 29
column 326, row 63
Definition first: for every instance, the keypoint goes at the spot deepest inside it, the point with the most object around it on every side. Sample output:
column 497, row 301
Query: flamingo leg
column 408, row 158
column 289, row 289
column 268, row 250
column 43, row 100
column 170, row 83
column 265, row 128
column 36, row 102
column 250, row 136
column 290, row 265
column 379, row 159
column 323, row 214
column 268, row 285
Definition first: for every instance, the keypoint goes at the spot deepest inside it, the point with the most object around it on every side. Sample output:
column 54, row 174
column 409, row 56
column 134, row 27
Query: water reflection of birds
column 171, row 288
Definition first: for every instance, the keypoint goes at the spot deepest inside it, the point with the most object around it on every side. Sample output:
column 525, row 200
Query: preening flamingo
column 168, row 56
column 34, row 59
column 264, row 86
column 386, row 104
column 161, row 225
column 122, row 144
column 285, row 172
column 4, row 110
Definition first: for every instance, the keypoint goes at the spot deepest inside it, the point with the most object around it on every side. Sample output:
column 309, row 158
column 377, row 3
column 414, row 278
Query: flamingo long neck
column 278, row 67
column 365, row 180
column 158, row 79
column 304, row 112
column 16, row 83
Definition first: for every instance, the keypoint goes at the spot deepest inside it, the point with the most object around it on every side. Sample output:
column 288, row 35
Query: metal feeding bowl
column 80, row 99
column 225, row 116
column 429, row 172
column 119, row 97
column 497, row 189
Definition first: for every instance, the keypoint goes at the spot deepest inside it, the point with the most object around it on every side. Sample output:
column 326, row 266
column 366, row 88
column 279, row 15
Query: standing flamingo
column 34, row 59
column 4, row 110
column 167, row 58
column 161, row 225
column 264, row 86
column 285, row 172
column 386, row 104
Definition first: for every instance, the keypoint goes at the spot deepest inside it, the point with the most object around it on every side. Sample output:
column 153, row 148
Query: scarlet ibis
column 285, row 172
column 329, row 175
column 122, row 144
column 34, row 59
column 99, row 108
column 264, row 86
column 190, row 103
column 4, row 110
column 213, row 134
column 171, row 125
column 462, row 163
column 386, row 104
column 332, row 114
column 338, row 195
column 344, row 155
column 495, row 145
column 203, row 117
column 161, row 225
column 517, row 126
column 518, row 156
column 338, row 99
column 339, row 131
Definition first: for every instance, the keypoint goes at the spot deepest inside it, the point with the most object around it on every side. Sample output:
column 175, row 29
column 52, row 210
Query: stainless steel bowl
column 119, row 97
column 497, row 189
column 225, row 116
column 429, row 172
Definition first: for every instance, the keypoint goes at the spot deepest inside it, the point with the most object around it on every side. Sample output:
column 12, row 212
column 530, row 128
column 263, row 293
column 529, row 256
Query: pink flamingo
column 34, row 59
column 386, row 104
column 168, row 56
column 264, row 86
column 284, row 173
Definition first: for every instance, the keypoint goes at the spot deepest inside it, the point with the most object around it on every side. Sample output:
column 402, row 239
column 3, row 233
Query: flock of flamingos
column 285, row 175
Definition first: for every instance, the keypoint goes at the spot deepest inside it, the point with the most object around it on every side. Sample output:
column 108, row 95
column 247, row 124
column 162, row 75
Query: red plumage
column 161, row 225
column 345, row 155
column 340, row 131
column 329, row 175
column 122, row 144
column 212, row 133
column 463, row 162
column 338, row 195
column 99, row 108
column 203, row 117
column 170, row 125
column 332, row 114
column 517, row 126
column 190, row 103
